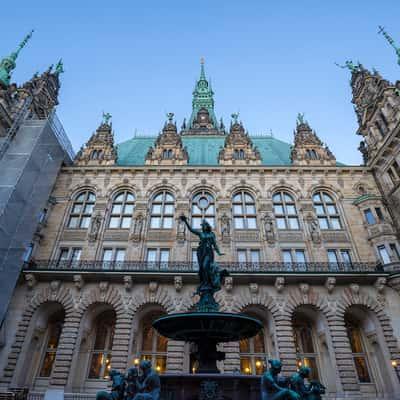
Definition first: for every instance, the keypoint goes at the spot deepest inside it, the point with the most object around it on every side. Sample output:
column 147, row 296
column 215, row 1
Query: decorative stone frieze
column 79, row 282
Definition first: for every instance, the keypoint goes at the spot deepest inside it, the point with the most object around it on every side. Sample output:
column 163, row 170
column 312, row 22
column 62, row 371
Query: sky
column 268, row 60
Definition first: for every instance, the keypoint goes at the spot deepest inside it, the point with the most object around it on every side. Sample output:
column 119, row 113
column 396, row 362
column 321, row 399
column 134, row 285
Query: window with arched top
column 82, row 210
column 100, row 352
column 53, row 333
column 153, row 345
column 285, row 211
column 306, row 353
column 358, row 351
column 167, row 154
column 253, row 354
column 162, row 211
column 244, row 211
column 122, row 209
column 203, row 207
column 327, row 211
column 238, row 154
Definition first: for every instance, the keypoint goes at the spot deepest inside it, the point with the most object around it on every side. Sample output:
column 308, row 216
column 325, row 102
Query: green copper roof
column 203, row 150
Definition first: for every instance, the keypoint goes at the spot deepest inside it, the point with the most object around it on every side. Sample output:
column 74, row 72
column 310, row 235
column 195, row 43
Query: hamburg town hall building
column 312, row 247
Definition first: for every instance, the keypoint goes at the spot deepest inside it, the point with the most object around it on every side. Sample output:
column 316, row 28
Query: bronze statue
column 209, row 274
column 312, row 391
column 149, row 387
column 132, row 384
column 117, row 388
column 274, row 387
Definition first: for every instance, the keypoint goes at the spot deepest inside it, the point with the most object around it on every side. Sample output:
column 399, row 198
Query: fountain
column 206, row 326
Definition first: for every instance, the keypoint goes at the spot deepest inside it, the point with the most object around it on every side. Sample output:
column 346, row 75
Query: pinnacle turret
column 8, row 64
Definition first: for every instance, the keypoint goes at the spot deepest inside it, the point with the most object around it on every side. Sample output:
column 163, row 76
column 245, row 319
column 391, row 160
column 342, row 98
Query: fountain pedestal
column 206, row 330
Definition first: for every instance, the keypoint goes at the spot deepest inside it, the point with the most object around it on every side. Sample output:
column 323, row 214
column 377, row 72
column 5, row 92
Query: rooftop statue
column 106, row 118
column 391, row 42
column 60, row 67
column 8, row 64
column 351, row 66
column 209, row 274
column 274, row 387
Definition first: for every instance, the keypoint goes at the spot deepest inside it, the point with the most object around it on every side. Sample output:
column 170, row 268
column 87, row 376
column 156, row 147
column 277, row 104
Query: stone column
column 285, row 342
column 175, row 357
column 120, row 347
column 232, row 357
column 65, row 350
column 344, row 361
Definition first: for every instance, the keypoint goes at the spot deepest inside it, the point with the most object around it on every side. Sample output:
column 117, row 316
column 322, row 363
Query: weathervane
column 391, row 42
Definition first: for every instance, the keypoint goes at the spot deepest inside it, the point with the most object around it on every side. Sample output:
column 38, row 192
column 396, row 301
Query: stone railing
column 188, row 267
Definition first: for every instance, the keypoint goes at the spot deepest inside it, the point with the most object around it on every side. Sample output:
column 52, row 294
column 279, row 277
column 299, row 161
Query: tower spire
column 7, row 64
column 391, row 42
column 202, row 72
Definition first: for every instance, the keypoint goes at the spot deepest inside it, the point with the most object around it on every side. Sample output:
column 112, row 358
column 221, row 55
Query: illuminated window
column 358, row 351
column 82, row 210
column 252, row 354
column 122, row 210
column 244, row 211
column 153, row 346
column 305, row 349
column 203, row 207
column 285, row 211
column 326, row 210
column 100, row 355
column 162, row 211
column 53, row 334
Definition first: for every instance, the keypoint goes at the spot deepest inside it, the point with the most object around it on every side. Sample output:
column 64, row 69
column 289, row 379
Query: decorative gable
column 168, row 149
column 238, row 148
column 308, row 148
column 100, row 149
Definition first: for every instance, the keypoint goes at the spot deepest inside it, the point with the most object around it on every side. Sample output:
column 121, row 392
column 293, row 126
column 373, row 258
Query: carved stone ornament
column 30, row 281
column 128, row 283
column 180, row 231
column 178, row 283
column 304, row 289
column 279, row 283
column 153, row 286
column 78, row 281
column 137, row 228
column 355, row 289
column 225, row 229
column 54, row 287
column 103, row 287
column 95, row 227
column 330, row 283
column 269, row 228
column 380, row 284
column 253, row 287
column 228, row 284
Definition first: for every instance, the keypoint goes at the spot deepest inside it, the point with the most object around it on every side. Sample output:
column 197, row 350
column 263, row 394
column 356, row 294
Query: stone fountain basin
column 214, row 326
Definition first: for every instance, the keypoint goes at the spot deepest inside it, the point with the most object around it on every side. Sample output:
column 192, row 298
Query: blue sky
column 269, row 60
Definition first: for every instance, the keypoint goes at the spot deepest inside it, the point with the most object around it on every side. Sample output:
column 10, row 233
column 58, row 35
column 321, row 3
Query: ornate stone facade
column 311, row 246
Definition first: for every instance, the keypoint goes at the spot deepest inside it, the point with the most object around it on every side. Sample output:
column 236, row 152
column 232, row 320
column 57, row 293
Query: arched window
column 100, row 354
column 153, row 345
column 82, row 210
column 308, row 154
column 357, row 349
column 238, row 154
column 203, row 207
column 314, row 155
column 326, row 210
column 306, row 353
column 122, row 210
column 53, row 334
column 244, row 211
column 285, row 211
column 162, row 211
column 167, row 154
column 253, row 354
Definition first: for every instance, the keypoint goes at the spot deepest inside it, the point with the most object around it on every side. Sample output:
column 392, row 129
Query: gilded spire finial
column 391, row 42
column 7, row 64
